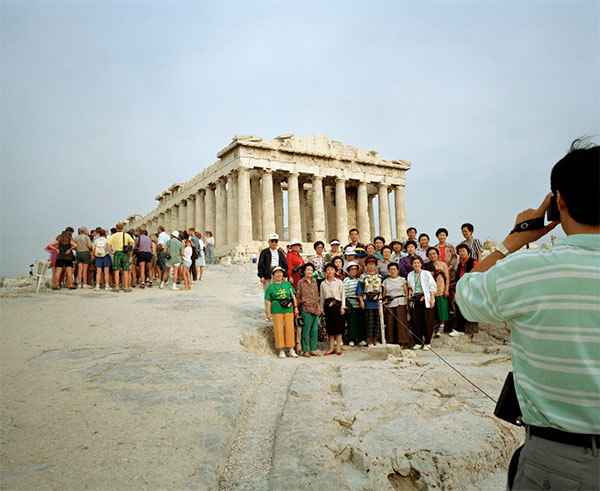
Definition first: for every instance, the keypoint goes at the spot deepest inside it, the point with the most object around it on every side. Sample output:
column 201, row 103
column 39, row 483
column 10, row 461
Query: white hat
column 295, row 241
column 277, row 268
column 334, row 241
column 350, row 264
column 175, row 233
column 273, row 237
column 350, row 251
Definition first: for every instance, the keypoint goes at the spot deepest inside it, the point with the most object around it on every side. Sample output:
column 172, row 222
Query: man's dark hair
column 469, row 226
column 576, row 177
column 353, row 230
column 423, row 235
column 440, row 230
column 433, row 249
column 379, row 237
column 386, row 247
column 409, row 242
column 317, row 243
column 463, row 246
column 113, row 230
column 411, row 228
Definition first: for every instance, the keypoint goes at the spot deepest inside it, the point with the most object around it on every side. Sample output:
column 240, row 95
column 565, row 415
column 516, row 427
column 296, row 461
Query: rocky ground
column 159, row 389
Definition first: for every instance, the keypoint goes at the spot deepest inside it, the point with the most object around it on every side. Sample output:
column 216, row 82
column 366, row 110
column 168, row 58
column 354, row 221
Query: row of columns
column 239, row 209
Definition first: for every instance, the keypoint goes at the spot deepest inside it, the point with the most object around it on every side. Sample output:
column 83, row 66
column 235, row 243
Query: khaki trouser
column 283, row 328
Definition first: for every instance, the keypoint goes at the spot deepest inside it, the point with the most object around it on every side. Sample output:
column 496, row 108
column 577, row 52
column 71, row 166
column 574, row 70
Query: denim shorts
column 186, row 263
column 103, row 262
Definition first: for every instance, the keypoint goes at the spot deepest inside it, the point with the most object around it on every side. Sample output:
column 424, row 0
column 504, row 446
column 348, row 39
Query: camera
column 552, row 214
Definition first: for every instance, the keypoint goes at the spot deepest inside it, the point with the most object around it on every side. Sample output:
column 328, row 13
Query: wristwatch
column 501, row 248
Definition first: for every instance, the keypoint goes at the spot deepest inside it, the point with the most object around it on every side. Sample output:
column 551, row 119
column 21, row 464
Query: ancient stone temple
column 328, row 188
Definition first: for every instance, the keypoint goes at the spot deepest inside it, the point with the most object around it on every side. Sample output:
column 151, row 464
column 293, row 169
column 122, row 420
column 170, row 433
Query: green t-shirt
column 281, row 290
column 174, row 248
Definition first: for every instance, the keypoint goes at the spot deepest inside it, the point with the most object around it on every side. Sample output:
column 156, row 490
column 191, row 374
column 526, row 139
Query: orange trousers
column 283, row 327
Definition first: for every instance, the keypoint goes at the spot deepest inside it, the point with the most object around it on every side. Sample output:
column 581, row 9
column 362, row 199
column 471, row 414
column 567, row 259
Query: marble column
column 372, row 230
column 182, row 216
column 400, row 209
column 174, row 218
column 220, row 215
column 278, row 200
column 310, row 231
column 244, row 202
column 232, row 209
column 362, row 209
column 385, row 222
column 341, row 210
column 256, row 205
column 318, row 209
column 268, row 204
column 209, row 211
column 200, row 212
column 330, row 214
column 191, row 212
column 294, row 220
column 303, row 214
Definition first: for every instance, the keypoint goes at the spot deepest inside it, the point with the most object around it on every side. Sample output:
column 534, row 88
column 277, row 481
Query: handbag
column 507, row 408
column 126, row 248
column 333, row 303
column 284, row 302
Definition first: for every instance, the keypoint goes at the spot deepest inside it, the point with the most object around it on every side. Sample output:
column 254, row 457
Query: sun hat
column 273, row 237
column 334, row 242
column 295, row 241
column 351, row 264
column 350, row 251
column 175, row 233
column 371, row 260
column 277, row 268
column 398, row 241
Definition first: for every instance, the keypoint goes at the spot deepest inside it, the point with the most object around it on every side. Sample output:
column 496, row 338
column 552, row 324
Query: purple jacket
column 405, row 266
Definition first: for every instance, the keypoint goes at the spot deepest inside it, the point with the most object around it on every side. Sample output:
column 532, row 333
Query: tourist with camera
column 310, row 310
column 281, row 307
column 369, row 291
column 333, row 303
column 550, row 298
column 421, row 300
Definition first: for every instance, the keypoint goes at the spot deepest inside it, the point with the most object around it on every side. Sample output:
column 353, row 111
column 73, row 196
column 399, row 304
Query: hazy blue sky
column 106, row 104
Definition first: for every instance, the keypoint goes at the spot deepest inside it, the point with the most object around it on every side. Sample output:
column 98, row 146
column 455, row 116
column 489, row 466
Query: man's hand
column 516, row 240
column 262, row 280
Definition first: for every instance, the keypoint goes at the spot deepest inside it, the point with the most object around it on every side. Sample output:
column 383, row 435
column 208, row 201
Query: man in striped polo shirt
column 551, row 298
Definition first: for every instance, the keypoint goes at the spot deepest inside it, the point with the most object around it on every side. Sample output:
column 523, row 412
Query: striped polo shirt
column 551, row 298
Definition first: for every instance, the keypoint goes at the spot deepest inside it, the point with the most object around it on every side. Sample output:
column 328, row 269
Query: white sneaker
column 351, row 344
column 282, row 354
column 194, row 281
column 417, row 346
column 362, row 343
column 371, row 345
column 456, row 333
column 427, row 347
column 97, row 288
column 162, row 283
column 292, row 353
column 107, row 288
column 80, row 285
column 175, row 287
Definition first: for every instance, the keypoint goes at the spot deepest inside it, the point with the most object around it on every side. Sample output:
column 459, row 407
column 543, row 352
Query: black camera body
column 552, row 214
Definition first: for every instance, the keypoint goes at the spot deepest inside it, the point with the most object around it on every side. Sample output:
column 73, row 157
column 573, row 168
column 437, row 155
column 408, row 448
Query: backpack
column 100, row 249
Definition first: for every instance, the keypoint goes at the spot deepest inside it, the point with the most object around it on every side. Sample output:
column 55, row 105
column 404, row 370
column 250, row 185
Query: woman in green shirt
column 281, row 307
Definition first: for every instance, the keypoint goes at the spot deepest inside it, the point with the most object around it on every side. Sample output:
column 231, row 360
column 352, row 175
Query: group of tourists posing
column 127, row 259
column 353, row 290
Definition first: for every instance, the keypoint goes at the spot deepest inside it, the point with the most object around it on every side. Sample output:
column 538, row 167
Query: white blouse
column 427, row 284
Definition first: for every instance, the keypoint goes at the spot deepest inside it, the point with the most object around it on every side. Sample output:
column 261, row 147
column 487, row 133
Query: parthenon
column 330, row 189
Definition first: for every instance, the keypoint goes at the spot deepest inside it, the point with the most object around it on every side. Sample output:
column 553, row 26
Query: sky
column 105, row 104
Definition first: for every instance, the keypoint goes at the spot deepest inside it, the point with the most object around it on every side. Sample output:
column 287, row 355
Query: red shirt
column 294, row 259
